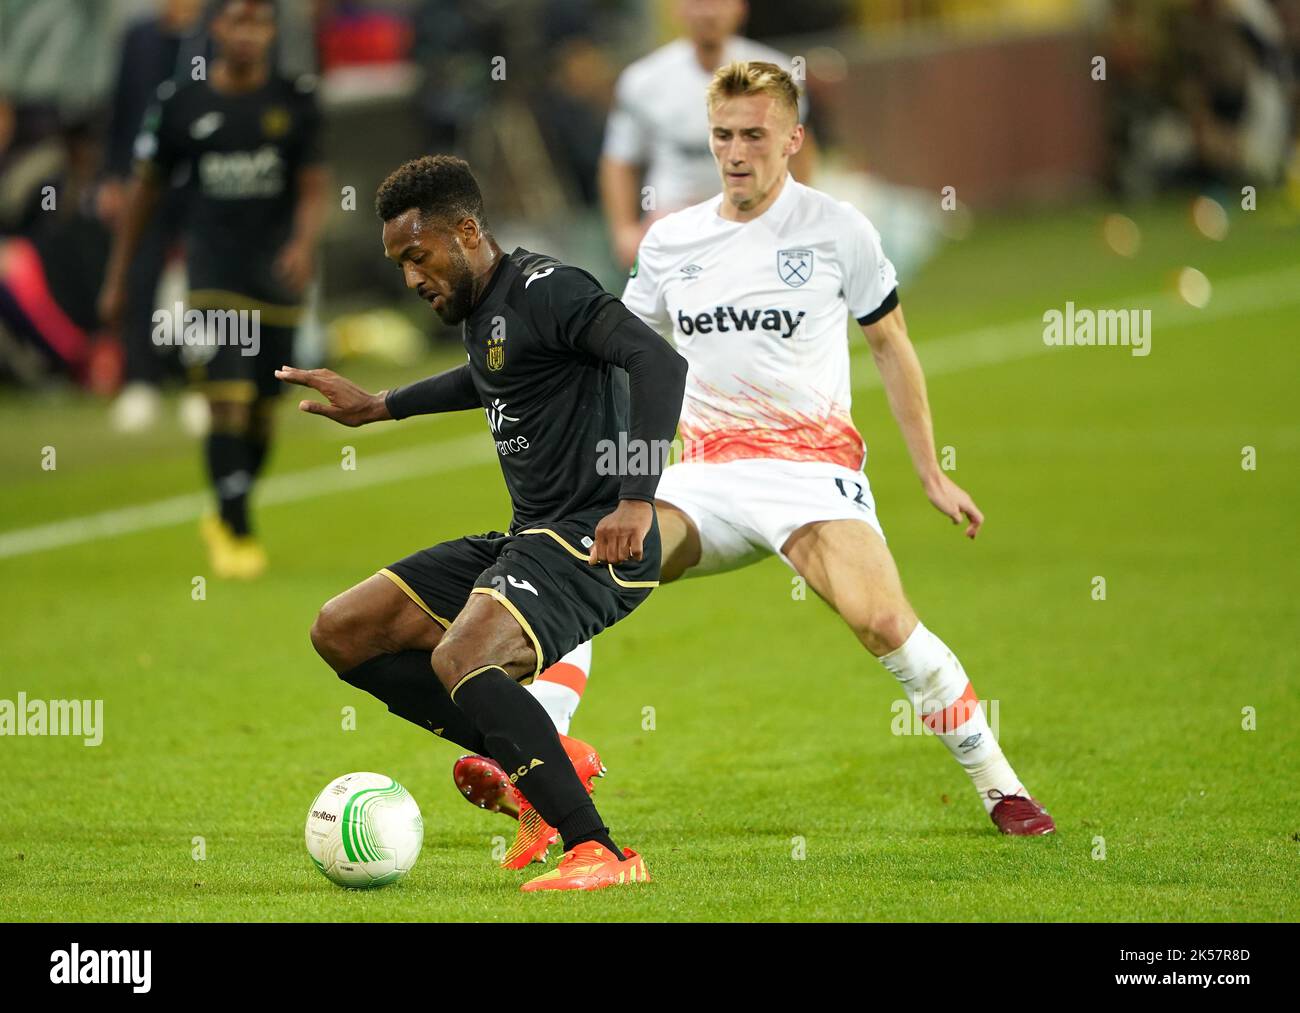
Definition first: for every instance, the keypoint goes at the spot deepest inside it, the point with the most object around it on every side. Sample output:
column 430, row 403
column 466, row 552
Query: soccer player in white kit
column 755, row 285
column 658, row 132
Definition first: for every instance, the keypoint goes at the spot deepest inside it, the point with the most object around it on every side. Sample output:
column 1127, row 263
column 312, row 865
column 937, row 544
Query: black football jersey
column 549, row 403
column 243, row 153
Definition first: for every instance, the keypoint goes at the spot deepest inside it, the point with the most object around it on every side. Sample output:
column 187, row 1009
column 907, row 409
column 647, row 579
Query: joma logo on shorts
column 781, row 322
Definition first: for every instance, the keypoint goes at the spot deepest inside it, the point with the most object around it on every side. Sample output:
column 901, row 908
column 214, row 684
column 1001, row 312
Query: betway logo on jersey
column 240, row 175
column 723, row 319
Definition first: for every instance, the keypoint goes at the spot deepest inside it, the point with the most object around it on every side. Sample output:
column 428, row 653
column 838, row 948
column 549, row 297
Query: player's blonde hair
column 754, row 77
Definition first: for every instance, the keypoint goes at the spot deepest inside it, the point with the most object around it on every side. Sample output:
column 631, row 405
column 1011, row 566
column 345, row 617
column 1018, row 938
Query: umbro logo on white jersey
column 692, row 270
column 783, row 322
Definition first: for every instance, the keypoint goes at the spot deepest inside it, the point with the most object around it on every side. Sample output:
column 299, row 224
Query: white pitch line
column 1006, row 343
column 985, row 346
column 432, row 459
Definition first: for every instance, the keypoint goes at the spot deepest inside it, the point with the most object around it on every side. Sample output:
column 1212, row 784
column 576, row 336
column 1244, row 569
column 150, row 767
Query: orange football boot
column 591, row 866
column 485, row 784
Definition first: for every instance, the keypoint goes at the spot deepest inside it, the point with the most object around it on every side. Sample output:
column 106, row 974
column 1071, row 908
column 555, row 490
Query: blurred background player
column 657, row 131
column 252, row 140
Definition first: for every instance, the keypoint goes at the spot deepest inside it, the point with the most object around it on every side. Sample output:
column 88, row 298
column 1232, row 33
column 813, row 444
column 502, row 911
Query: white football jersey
column 760, row 311
column 660, row 119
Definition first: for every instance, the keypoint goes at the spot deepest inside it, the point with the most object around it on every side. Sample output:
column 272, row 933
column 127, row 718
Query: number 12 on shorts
column 844, row 491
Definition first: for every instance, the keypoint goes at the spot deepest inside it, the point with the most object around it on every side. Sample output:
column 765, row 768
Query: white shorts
column 748, row 509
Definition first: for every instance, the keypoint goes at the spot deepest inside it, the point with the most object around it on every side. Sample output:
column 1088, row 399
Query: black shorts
column 225, row 371
column 541, row 575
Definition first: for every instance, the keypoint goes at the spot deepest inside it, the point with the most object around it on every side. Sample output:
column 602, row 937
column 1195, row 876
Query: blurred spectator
column 1203, row 92
column 574, row 110
column 1234, row 89
column 660, row 125
column 49, row 278
column 454, row 44
column 52, row 53
column 155, row 49
column 31, row 152
column 525, row 78
column 350, row 35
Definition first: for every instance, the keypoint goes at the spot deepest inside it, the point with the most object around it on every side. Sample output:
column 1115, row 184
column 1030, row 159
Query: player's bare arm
column 904, row 381
column 619, row 191
column 143, row 194
column 296, row 262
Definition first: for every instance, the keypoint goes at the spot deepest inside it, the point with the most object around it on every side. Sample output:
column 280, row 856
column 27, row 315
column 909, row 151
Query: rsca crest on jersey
column 794, row 266
column 496, row 352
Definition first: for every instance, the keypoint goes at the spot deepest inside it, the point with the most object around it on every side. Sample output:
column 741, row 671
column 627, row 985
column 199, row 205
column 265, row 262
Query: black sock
column 228, row 468
column 255, row 448
column 257, row 441
column 407, row 683
column 586, row 825
column 520, row 736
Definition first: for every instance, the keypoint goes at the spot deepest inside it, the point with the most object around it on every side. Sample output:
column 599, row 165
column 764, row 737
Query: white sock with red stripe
column 559, row 688
column 937, row 686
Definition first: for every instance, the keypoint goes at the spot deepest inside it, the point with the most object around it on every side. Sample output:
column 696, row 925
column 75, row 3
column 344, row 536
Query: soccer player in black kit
column 251, row 141
column 489, row 612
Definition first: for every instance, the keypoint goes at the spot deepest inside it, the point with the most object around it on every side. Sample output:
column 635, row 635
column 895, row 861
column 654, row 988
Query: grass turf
column 772, row 729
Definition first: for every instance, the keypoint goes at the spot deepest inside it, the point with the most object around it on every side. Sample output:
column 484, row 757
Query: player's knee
column 334, row 634
column 450, row 661
column 883, row 630
column 457, row 656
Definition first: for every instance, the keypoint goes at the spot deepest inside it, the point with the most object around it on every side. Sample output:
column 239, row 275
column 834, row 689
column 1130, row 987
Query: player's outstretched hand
column 954, row 502
column 348, row 404
column 620, row 535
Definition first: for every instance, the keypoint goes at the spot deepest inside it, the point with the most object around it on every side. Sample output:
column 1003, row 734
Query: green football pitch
column 750, row 741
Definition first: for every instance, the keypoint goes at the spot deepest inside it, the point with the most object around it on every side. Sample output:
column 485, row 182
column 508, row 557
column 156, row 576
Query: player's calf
column 849, row 565
column 471, row 660
column 883, row 629
column 381, row 642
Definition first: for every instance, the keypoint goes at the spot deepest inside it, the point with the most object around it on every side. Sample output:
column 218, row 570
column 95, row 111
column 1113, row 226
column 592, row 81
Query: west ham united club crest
column 496, row 352
column 794, row 266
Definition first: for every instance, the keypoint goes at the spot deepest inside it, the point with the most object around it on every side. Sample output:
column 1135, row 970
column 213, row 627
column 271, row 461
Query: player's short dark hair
column 438, row 186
